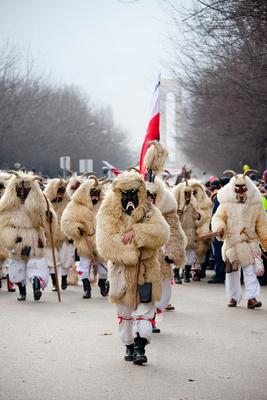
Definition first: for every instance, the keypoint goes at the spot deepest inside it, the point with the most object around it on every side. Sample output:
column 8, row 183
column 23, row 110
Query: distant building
column 171, row 121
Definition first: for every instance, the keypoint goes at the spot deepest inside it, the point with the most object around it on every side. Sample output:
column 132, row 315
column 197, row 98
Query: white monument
column 171, row 121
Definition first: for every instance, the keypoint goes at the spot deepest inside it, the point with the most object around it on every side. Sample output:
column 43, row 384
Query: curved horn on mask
column 86, row 174
column 14, row 173
column 167, row 172
column 37, row 178
column 248, row 171
column 108, row 180
column 70, row 171
column 60, row 177
column 133, row 169
column 230, row 171
column 94, row 178
column 197, row 185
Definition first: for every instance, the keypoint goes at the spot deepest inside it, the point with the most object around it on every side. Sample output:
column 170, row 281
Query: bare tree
column 222, row 66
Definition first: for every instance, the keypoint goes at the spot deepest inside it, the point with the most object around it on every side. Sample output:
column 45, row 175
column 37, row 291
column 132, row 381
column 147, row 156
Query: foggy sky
column 112, row 50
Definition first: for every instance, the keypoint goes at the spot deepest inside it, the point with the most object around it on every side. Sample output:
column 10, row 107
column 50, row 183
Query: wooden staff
column 209, row 235
column 52, row 246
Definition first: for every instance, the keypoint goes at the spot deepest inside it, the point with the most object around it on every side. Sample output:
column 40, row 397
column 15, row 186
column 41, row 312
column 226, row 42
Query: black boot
column 86, row 288
column 176, row 276
column 53, row 277
column 10, row 286
column 64, row 283
column 187, row 270
column 37, row 294
column 154, row 326
column 22, row 292
column 139, row 356
column 129, row 356
column 104, row 286
column 0, row 283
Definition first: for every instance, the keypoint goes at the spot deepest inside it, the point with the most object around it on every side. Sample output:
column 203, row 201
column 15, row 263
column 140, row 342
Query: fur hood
column 82, row 194
column 200, row 194
column 4, row 176
column 165, row 200
column 34, row 201
column 127, row 181
column 74, row 181
column 155, row 157
column 52, row 189
column 227, row 193
column 179, row 191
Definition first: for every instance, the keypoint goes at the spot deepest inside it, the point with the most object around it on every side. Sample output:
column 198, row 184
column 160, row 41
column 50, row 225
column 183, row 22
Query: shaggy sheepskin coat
column 205, row 205
column 51, row 193
column 175, row 246
column 74, row 183
column 4, row 178
column 151, row 231
column 185, row 213
column 81, row 213
column 244, row 224
column 28, row 220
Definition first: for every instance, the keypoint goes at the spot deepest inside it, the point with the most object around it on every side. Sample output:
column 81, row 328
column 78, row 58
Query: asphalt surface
column 205, row 351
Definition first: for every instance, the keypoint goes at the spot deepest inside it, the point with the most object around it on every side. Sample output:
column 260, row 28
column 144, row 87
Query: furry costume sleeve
column 109, row 243
column 219, row 221
column 175, row 247
column 261, row 227
column 153, row 233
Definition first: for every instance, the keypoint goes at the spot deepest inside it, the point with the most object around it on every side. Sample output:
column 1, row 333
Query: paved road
column 206, row 351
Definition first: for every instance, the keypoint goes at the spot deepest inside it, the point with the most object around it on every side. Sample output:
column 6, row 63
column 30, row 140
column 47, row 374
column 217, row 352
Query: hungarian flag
column 113, row 169
column 152, row 132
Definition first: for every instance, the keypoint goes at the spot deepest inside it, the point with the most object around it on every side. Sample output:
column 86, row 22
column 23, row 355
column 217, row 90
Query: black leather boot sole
column 129, row 356
column 37, row 294
column 22, row 292
column 64, row 283
column 139, row 359
column 104, row 287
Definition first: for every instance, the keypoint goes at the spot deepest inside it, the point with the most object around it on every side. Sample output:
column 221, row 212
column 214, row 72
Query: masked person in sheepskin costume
column 205, row 205
column 241, row 223
column 191, row 218
column 4, row 178
column 173, row 253
column 130, row 231
column 24, row 219
column 56, row 193
column 74, row 182
column 79, row 223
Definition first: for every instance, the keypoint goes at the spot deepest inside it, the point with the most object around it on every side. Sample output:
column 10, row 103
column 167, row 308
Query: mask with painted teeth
column 60, row 194
column 95, row 195
column 187, row 195
column 241, row 194
column 75, row 186
column 129, row 201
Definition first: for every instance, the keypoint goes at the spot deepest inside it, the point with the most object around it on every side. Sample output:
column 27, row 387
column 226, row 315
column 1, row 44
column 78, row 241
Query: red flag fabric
column 113, row 169
column 152, row 132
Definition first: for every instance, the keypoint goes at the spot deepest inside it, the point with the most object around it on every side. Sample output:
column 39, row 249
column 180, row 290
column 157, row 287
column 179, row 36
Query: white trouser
column 233, row 285
column 136, row 321
column 21, row 271
column 64, row 258
column 190, row 256
column 87, row 271
column 166, row 294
